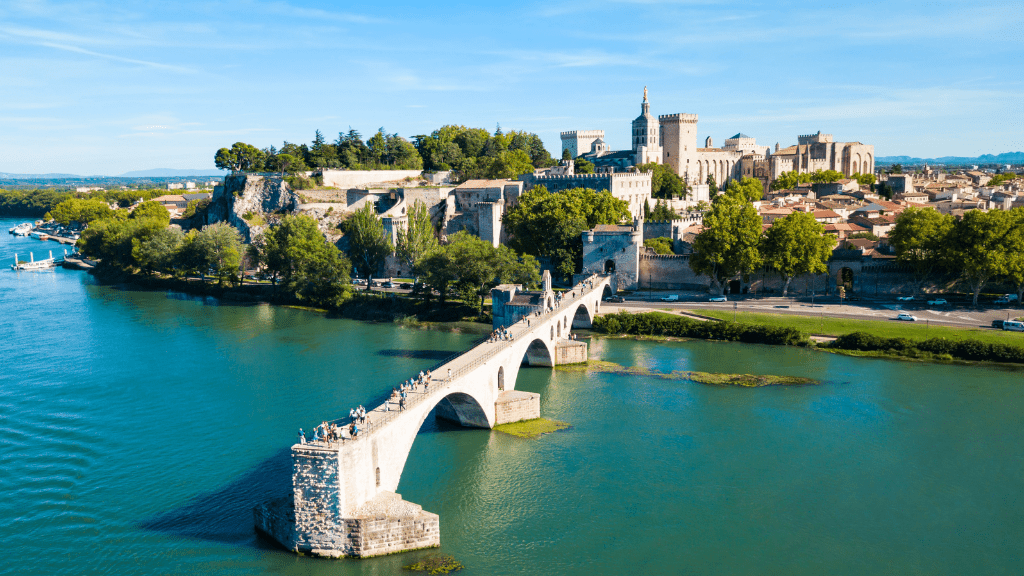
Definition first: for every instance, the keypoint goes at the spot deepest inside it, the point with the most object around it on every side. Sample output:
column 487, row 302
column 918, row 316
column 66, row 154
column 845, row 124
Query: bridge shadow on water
column 418, row 354
column 225, row 514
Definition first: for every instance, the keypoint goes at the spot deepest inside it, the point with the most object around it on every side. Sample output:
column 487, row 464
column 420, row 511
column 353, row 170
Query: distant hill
column 52, row 176
column 171, row 172
column 1004, row 158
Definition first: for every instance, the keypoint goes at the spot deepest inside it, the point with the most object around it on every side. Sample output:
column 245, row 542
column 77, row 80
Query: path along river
column 138, row 428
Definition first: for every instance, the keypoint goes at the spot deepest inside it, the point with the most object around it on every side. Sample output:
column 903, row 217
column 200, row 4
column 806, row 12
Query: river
column 138, row 428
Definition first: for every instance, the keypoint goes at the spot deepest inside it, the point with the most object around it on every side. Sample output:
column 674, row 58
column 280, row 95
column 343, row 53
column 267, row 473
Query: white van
column 1015, row 325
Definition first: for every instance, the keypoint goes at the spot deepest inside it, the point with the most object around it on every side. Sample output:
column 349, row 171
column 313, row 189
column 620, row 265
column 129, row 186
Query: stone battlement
column 582, row 133
column 682, row 118
column 591, row 176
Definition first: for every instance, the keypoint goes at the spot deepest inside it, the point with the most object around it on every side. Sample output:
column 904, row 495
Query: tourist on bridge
column 302, row 436
column 401, row 404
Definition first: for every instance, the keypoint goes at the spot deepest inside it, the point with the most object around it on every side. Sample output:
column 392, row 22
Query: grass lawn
column 888, row 329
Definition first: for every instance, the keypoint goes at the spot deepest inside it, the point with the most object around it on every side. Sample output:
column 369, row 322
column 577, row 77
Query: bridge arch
column 582, row 317
column 463, row 409
column 539, row 353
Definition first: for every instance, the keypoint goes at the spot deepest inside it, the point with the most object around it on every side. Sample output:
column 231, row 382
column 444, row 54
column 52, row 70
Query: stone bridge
column 343, row 500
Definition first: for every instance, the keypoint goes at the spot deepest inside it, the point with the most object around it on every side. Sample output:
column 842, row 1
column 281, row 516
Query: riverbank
column 659, row 324
column 356, row 305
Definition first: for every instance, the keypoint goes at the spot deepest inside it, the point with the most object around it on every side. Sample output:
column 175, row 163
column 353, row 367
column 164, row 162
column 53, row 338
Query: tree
column 665, row 183
column 156, row 252
column 826, row 176
column 748, row 189
column 712, row 187
column 474, row 266
column 82, row 211
column 566, row 155
column 662, row 213
column 918, row 239
column 311, row 268
column 322, row 154
column 220, row 246
column 660, row 245
column 896, row 169
column 583, row 166
column 797, row 244
column 1015, row 253
column 154, row 210
column 368, row 245
column 241, row 157
column 289, row 164
column 789, row 180
column 729, row 243
column 418, row 239
column 547, row 225
column 111, row 240
column 978, row 246
column 864, row 179
column 509, row 164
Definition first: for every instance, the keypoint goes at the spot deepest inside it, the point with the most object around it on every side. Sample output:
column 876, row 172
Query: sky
column 106, row 87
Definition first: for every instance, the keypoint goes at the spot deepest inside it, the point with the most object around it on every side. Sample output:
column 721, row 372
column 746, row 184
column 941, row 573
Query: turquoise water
column 137, row 429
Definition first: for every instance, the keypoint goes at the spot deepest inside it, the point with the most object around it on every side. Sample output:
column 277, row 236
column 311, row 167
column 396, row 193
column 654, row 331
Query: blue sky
column 102, row 87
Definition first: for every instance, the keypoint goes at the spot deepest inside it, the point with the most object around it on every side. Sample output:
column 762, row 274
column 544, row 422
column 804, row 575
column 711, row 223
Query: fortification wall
column 360, row 178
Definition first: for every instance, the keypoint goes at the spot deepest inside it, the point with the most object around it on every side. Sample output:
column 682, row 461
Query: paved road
column 861, row 310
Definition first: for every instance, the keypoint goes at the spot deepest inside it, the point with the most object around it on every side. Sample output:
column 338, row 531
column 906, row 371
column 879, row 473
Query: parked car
column 359, row 281
column 1010, row 297
column 1013, row 325
column 998, row 324
column 388, row 284
column 1002, row 300
column 718, row 299
column 905, row 299
column 907, row 317
column 671, row 298
column 938, row 302
column 614, row 299
column 405, row 285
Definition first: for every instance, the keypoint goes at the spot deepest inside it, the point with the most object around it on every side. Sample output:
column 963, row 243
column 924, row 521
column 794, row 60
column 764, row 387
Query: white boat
column 22, row 229
column 33, row 264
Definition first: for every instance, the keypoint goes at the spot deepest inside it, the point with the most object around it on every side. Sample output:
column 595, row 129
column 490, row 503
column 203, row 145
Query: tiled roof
column 471, row 184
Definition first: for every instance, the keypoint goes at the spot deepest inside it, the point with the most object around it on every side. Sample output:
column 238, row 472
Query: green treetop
column 368, row 245
column 730, row 241
column 545, row 224
column 797, row 244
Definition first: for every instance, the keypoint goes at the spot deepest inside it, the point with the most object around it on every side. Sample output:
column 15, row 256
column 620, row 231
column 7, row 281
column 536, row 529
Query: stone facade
column 615, row 250
column 579, row 142
column 246, row 194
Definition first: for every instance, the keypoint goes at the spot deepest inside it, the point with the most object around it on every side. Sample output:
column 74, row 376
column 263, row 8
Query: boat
column 33, row 264
column 22, row 229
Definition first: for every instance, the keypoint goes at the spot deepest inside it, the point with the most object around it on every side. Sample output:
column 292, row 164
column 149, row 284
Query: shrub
column 661, row 325
column 933, row 348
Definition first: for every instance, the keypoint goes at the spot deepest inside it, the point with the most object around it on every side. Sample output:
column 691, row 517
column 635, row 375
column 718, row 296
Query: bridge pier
column 344, row 501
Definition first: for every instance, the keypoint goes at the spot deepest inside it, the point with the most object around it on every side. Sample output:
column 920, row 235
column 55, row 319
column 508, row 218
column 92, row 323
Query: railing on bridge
column 378, row 417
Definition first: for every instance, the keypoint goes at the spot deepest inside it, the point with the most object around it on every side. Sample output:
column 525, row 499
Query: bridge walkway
column 530, row 327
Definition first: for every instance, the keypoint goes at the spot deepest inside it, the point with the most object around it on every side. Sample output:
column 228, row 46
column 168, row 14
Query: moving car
column 614, row 299
column 671, row 298
column 405, row 285
column 718, row 299
column 1014, row 325
column 905, row 299
column 907, row 317
column 389, row 284
column 938, row 302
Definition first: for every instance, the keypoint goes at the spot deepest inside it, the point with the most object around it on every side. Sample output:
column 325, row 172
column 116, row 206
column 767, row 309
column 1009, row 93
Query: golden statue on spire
column 645, row 93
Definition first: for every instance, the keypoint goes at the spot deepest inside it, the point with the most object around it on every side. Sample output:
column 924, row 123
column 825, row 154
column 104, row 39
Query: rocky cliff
column 251, row 203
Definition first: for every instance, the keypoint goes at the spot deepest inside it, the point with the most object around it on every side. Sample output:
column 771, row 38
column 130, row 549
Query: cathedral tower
column 646, row 137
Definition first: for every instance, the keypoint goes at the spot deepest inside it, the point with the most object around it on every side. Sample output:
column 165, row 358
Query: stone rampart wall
column 359, row 178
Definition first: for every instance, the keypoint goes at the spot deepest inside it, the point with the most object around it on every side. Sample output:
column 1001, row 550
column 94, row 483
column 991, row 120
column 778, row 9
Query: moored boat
column 22, row 229
column 34, row 264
